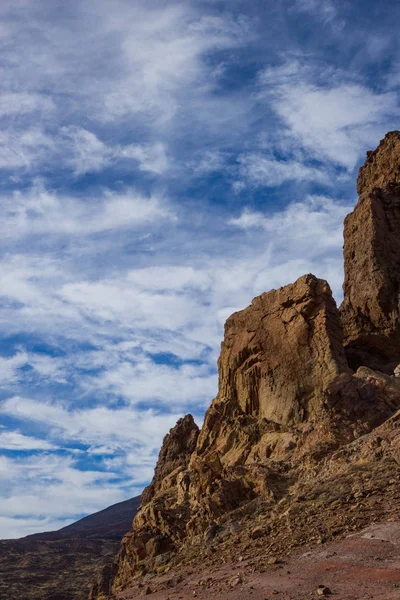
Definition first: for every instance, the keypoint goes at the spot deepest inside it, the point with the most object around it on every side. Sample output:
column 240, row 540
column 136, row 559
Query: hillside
column 60, row 565
column 111, row 523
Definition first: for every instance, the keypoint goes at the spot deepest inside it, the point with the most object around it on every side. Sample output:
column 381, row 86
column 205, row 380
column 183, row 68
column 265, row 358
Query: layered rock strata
column 297, row 391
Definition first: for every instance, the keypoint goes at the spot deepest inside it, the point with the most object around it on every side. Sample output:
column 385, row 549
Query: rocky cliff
column 370, row 311
column 303, row 390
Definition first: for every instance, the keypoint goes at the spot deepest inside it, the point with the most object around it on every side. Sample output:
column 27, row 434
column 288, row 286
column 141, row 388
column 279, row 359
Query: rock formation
column 370, row 311
column 298, row 397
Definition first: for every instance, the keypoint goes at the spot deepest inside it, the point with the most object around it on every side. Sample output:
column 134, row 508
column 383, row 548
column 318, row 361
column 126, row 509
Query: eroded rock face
column 160, row 523
column 280, row 354
column 175, row 453
column 370, row 310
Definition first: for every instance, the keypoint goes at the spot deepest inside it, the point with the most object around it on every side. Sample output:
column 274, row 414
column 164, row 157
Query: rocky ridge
column 301, row 442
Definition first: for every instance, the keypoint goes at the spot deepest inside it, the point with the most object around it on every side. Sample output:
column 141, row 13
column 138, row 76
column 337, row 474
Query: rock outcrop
column 159, row 527
column 301, row 388
column 370, row 310
column 175, row 453
column 282, row 353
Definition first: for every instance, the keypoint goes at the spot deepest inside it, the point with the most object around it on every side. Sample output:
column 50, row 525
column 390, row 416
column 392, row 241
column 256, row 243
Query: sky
column 161, row 164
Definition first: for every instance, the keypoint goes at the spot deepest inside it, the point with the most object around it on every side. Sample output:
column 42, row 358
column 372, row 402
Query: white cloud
column 23, row 149
column 17, row 103
column 208, row 162
column 148, row 382
column 306, row 220
column 13, row 440
column 261, row 171
column 51, row 486
column 9, row 367
column 325, row 10
column 151, row 157
column 118, row 427
column 12, row 528
column 86, row 152
column 332, row 121
column 42, row 212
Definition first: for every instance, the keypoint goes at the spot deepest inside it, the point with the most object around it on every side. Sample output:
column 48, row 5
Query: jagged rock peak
column 177, row 447
column 370, row 310
column 381, row 170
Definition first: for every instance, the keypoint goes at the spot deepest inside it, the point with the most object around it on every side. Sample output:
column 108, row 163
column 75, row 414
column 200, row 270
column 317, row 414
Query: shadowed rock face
column 370, row 310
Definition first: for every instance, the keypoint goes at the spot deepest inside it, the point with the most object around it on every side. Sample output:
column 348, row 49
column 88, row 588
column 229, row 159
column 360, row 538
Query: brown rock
column 236, row 581
column 370, row 310
column 147, row 591
column 268, row 357
column 158, row 526
column 322, row 590
column 175, row 453
column 258, row 532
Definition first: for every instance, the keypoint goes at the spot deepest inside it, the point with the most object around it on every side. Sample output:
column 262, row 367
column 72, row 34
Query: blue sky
column 161, row 164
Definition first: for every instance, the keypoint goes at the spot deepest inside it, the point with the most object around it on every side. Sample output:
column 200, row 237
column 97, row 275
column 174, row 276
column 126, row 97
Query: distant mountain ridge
column 110, row 523
column 60, row 565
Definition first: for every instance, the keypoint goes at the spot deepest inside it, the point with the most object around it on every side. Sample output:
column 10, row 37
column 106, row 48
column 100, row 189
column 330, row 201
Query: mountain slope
column 110, row 523
column 60, row 565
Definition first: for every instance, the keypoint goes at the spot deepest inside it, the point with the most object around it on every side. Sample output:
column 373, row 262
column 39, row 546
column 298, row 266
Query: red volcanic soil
column 362, row 566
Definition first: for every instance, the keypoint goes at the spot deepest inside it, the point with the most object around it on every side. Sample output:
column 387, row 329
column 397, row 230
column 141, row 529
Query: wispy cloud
column 329, row 116
column 41, row 212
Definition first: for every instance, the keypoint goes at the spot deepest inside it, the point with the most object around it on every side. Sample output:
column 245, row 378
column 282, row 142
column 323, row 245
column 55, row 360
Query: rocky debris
column 370, row 310
column 359, row 566
column 323, row 590
column 302, row 442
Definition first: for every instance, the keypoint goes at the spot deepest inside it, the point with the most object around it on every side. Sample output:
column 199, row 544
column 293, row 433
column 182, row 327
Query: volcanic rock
column 280, row 354
column 370, row 310
column 160, row 524
column 175, row 453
